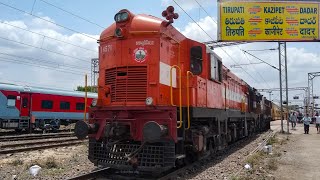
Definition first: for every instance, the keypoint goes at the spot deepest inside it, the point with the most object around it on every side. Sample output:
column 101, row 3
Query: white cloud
column 207, row 33
column 17, row 72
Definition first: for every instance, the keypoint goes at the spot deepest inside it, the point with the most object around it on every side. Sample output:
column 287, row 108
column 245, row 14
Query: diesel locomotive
column 164, row 99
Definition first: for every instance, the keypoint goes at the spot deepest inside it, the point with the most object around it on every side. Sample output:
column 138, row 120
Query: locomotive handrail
column 180, row 96
column 188, row 97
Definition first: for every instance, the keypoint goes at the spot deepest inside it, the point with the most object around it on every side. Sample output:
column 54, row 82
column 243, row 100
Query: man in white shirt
column 306, row 123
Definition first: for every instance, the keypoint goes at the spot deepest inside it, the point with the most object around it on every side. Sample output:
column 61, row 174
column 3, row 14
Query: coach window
column 64, row 105
column 80, row 106
column 215, row 68
column 11, row 101
column 196, row 60
column 46, row 104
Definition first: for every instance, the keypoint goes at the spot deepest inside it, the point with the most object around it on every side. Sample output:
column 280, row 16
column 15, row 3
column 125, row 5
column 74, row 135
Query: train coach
column 165, row 100
column 28, row 108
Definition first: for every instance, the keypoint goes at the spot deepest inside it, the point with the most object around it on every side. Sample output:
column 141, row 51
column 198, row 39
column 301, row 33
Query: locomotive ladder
column 189, row 73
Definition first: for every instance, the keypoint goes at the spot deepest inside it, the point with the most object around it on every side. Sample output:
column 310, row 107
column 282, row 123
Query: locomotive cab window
column 80, row 106
column 215, row 68
column 196, row 60
column 64, row 105
column 11, row 101
column 46, row 104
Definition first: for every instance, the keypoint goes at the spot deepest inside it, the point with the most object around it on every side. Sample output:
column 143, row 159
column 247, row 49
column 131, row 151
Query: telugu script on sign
column 269, row 21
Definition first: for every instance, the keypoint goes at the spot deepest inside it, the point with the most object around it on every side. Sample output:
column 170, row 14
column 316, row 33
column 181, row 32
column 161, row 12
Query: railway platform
column 300, row 159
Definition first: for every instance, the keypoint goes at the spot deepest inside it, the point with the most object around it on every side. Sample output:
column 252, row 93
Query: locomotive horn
column 82, row 129
column 169, row 14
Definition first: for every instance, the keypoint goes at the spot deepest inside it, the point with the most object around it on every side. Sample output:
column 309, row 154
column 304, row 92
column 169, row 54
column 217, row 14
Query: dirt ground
column 301, row 160
column 55, row 163
column 294, row 157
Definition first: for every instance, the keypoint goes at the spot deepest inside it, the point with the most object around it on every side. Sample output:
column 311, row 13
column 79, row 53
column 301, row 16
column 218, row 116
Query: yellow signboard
column 268, row 21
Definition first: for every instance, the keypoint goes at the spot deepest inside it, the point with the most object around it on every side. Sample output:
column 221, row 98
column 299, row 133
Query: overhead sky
column 57, row 47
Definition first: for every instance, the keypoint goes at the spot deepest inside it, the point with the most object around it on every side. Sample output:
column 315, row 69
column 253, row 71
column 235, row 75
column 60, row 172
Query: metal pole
column 312, row 111
column 85, row 98
column 286, row 78
column 280, row 80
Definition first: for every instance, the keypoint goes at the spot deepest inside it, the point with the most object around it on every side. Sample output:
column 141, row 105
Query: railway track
column 37, row 145
column 108, row 173
column 12, row 132
column 34, row 136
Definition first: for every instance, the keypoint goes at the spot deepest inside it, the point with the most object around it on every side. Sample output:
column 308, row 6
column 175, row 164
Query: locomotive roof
column 141, row 23
column 20, row 88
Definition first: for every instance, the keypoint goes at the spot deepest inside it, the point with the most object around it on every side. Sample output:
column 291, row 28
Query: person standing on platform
column 293, row 119
column 306, row 122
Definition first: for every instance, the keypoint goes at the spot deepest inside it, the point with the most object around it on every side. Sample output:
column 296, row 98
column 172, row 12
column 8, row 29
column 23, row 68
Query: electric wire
column 23, row 83
column 72, row 30
column 73, row 14
column 214, row 40
column 25, row 44
column 260, row 59
column 271, row 49
column 15, row 61
column 259, row 73
column 45, row 61
column 237, row 46
column 24, row 29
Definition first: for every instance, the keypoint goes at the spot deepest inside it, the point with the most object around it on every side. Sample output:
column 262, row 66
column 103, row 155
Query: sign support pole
column 283, row 79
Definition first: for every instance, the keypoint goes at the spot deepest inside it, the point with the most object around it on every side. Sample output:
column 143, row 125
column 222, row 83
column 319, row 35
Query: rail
column 180, row 96
column 188, row 97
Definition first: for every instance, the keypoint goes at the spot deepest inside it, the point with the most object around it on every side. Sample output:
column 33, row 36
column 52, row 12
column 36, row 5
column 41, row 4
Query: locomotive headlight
column 118, row 32
column 124, row 16
column 94, row 102
column 149, row 101
column 121, row 16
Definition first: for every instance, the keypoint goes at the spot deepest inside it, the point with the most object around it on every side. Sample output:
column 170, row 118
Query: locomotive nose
column 82, row 129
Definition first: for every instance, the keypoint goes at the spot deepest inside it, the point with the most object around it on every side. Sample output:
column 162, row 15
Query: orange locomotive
column 164, row 99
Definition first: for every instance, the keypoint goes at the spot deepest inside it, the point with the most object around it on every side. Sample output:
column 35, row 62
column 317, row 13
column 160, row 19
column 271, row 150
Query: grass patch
column 50, row 163
column 255, row 158
column 16, row 162
column 31, row 163
column 272, row 140
column 272, row 164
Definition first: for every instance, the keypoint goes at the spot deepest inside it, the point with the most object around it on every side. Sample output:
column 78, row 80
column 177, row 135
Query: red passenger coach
column 164, row 99
column 32, row 107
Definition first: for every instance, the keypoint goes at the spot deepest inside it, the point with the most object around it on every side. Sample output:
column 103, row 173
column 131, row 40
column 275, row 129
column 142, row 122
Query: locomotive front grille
column 128, row 84
column 152, row 156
